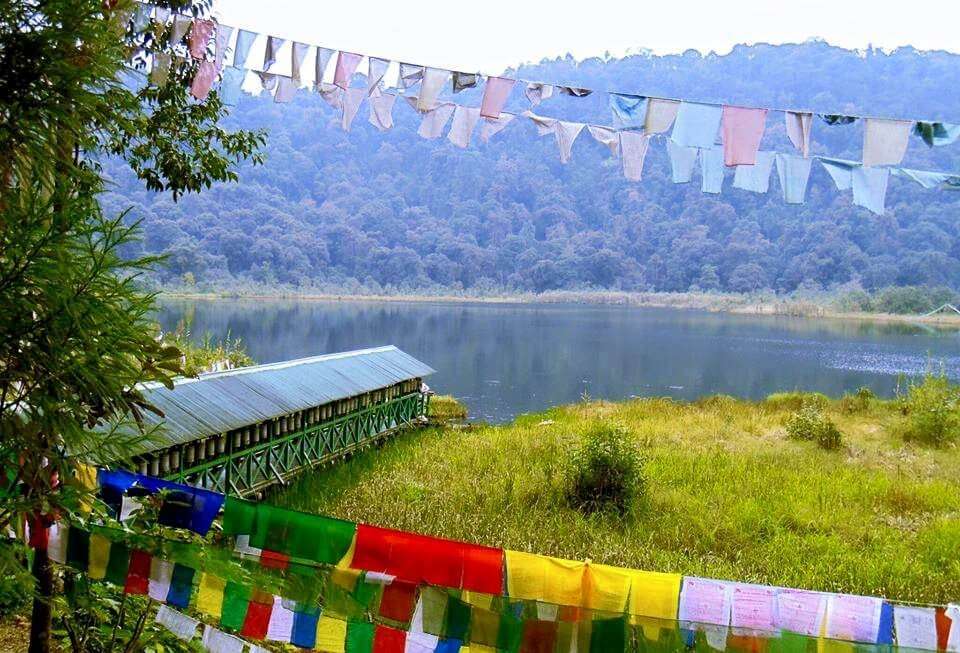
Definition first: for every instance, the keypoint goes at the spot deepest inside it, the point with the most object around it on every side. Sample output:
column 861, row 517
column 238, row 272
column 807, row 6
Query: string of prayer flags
column 916, row 627
column 182, row 626
column 160, row 70
column 434, row 79
column 629, row 111
column 607, row 137
column 495, row 95
column 410, row 75
column 755, row 178
column 350, row 101
column 928, row 179
column 217, row 641
column 200, row 33
column 490, row 127
column 793, row 172
column 241, row 50
column 224, row 33
column 270, row 53
column 742, row 132
column 376, row 69
column 574, row 91
column 461, row 129
column 858, row 619
column 381, row 111
column 661, row 115
column 322, row 62
column 203, row 80
column 434, row 120
column 463, row 81
column 231, row 84
column 181, row 25
column 711, row 170
column 286, row 89
column 633, row 149
column 347, row 63
column 183, row 507
column 834, row 119
column 683, row 160
column 799, row 127
column 298, row 54
column 537, row 92
column 696, row 125
column 936, row 134
column 869, row 184
column 885, row 141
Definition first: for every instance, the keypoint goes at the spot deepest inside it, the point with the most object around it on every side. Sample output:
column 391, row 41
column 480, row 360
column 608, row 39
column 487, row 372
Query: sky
column 490, row 35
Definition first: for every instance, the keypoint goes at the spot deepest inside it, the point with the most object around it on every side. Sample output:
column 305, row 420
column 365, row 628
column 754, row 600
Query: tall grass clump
column 932, row 410
column 858, row 402
column 605, row 471
column 810, row 423
column 446, row 408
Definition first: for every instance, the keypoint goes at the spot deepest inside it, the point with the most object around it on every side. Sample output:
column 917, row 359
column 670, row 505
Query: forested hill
column 362, row 208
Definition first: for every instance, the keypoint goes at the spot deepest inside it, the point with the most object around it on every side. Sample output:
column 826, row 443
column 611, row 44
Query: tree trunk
column 41, row 616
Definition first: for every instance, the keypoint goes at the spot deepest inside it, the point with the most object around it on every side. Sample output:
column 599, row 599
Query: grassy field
column 728, row 495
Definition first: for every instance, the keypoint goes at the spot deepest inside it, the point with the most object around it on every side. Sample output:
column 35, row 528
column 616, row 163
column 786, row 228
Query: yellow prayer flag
column 478, row 599
column 331, row 635
column 99, row 556
column 345, row 578
column 87, row 479
column 654, row 594
column 606, row 588
column 210, row 595
column 348, row 556
column 541, row 578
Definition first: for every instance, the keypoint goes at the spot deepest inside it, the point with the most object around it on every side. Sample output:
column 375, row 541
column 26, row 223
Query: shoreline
column 731, row 304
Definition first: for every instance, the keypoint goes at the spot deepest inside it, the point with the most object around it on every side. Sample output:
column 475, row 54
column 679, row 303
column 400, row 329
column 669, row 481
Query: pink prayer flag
column 199, row 37
column 495, row 96
column 753, row 608
column 742, row 131
column 801, row 612
column 203, row 80
column 347, row 63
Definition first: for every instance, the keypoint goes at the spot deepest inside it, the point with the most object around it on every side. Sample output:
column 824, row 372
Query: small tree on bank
column 76, row 336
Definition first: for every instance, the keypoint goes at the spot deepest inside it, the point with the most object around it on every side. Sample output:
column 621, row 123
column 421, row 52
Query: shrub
column 932, row 409
column 858, row 402
column 605, row 471
column 795, row 400
column 810, row 423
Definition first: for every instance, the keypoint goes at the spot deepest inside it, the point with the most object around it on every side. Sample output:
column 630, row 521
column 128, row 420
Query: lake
column 506, row 359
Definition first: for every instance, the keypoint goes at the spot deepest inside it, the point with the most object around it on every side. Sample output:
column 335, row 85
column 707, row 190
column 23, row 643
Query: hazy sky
column 489, row 35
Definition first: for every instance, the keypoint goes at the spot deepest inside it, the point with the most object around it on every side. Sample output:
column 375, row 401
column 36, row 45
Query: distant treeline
column 393, row 213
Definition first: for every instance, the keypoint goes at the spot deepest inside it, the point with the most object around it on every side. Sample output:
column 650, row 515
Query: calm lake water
column 504, row 360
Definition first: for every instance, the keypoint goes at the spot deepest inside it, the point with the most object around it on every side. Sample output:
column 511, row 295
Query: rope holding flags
column 695, row 124
column 324, row 584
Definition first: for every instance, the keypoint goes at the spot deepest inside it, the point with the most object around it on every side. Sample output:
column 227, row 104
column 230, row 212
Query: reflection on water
column 509, row 359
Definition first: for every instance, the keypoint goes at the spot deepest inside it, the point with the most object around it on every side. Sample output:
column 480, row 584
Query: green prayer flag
column 457, row 621
column 608, row 634
column 118, row 564
column 484, row 626
column 434, row 610
column 790, row 643
column 234, row 607
column 366, row 593
column 78, row 548
column 238, row 516
column 314, row 537
column 359, row 637
column 510, row 633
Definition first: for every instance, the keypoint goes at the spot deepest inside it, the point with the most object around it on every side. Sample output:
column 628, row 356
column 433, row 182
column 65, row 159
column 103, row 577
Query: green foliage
column 810, row 423
column 605, row 470
column 795, row 400
column 16, row 584
column 857, row 402
column 932, row 411
column 912, row 300
column 445, row 408
column 210, row 354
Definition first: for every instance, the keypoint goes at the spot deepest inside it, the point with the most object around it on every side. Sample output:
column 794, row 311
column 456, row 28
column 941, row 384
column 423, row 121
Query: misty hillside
column 332, row 208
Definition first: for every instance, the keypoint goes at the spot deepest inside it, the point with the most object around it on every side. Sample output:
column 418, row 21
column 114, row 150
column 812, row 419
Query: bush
column 796, row 400
column 605, row 471
column 932, row 409
column 809, row 423
column 858, row 402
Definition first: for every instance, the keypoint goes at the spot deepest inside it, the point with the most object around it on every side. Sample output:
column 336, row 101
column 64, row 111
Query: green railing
column 254, row 468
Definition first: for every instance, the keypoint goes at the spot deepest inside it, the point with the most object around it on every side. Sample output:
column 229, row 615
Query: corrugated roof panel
column 222, row 401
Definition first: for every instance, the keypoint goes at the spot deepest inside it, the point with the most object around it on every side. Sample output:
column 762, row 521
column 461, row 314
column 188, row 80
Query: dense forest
column 391, row 211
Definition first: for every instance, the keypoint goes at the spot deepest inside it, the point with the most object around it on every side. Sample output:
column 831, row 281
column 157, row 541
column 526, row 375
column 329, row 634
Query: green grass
column 728, row 495
column 444, row 408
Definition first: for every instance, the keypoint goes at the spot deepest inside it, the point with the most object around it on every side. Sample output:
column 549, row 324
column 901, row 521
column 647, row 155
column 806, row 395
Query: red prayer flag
column 39, row 532
column 398, row 601
column 944, row 624
column 138, row 573
column 538, row 636
column 419, row 558
column 389, row 640
column 747, row 643
column 257, row 621
column 274, row 560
